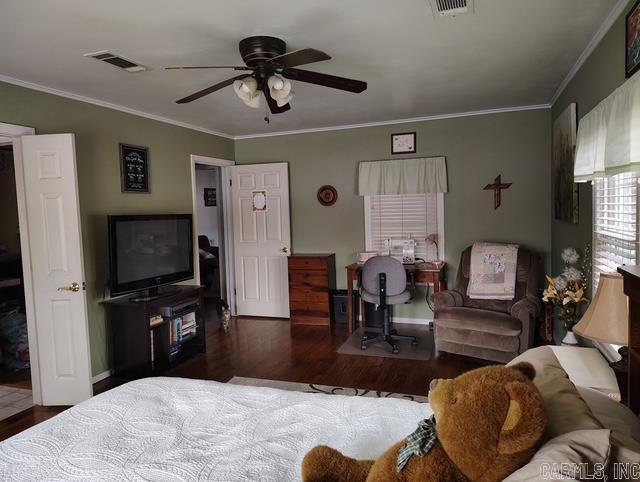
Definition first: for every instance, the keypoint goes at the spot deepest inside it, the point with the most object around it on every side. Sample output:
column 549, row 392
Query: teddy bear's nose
column 433, row 384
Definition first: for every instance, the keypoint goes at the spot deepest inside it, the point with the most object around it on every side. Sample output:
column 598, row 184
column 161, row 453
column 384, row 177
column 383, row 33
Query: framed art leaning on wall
column 565, row 190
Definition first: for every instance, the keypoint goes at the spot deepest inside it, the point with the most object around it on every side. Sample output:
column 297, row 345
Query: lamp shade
column 247, row 90
column 607, row 318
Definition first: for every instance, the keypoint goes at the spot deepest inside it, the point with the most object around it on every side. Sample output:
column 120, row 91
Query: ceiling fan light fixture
column 280, row 89
column 247, row 90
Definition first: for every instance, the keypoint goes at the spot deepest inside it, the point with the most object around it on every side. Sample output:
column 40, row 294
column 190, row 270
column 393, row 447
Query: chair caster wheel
column 363, row 347
column 395, row 350
column 414, row 342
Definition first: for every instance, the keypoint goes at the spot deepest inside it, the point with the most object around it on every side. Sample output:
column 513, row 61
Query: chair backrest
column 396, row 275
column 203, row 242
column 527, row 280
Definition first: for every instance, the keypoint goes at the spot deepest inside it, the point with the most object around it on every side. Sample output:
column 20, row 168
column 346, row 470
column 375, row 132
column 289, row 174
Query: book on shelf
column 155, row 320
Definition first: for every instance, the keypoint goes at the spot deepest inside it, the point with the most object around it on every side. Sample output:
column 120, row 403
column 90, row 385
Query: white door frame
column 227, row 220
column 12, row 133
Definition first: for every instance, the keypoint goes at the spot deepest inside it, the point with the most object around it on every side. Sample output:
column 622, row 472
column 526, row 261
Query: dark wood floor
column 273, row 349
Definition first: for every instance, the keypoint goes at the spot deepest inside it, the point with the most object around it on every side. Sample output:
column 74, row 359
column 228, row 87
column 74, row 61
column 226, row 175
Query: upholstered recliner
column 493, row 330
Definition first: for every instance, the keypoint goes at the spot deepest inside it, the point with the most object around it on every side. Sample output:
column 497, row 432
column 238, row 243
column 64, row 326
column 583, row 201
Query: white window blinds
column 615, row 223
column 401, row 216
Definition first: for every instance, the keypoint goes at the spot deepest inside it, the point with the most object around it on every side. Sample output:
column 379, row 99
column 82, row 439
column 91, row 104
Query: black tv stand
column 148, row 338
column 153, row 294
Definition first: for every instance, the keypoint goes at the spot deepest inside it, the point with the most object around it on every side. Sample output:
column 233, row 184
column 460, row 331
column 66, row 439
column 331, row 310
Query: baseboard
column 101, row 376
column 412, row 321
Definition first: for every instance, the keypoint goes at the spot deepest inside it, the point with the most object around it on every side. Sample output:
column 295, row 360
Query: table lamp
column 607, row 318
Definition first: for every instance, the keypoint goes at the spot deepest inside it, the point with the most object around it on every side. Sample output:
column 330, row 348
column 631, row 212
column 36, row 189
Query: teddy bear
column 486, row 424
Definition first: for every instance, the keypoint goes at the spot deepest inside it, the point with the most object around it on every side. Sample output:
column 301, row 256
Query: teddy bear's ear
column 525, row 421
column 526, row 368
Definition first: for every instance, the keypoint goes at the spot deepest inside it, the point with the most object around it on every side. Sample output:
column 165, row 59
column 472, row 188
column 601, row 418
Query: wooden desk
column 425, row 274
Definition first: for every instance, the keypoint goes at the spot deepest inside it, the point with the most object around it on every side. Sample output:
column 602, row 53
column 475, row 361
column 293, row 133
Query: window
column 399, row 216
column 615, row 223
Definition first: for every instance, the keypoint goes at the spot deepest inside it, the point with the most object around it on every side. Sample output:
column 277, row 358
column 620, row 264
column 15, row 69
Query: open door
column 261, row 238
column 55, row 247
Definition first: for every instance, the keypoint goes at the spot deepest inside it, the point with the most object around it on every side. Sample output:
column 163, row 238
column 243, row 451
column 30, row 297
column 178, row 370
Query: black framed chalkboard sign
column 134, row 168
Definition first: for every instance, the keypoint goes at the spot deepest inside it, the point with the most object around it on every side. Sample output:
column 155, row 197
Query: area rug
column 323, row 389
column 421, row 351
column 14, row 400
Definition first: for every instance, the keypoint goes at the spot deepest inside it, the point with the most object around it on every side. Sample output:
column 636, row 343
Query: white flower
column 572, row 274
column 561, row 283
column 570, row 256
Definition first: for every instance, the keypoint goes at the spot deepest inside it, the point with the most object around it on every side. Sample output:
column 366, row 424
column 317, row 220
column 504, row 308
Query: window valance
column 608, row 141
column 403, row 176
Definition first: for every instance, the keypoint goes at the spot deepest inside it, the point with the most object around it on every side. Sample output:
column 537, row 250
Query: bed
column 182, row 429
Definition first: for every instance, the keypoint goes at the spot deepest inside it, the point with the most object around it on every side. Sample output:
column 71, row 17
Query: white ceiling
column 508, row 53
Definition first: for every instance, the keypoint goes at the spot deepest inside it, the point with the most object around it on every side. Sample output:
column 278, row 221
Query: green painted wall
column 98, row 131
column 600, row 75
column 477, row 149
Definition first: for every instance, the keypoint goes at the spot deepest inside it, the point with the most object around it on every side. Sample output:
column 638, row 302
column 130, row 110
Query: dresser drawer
column 310, row 263
column 309, row 308
column 311, row 279
column 312, row 296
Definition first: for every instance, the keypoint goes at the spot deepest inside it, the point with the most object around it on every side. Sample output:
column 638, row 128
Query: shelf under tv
column 139, row 350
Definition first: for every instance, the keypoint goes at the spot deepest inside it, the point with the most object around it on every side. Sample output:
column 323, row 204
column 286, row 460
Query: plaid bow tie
column 419, row 442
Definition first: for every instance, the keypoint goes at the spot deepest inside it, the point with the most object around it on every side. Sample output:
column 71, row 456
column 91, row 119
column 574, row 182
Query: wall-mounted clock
column 327, row 195
column 403, row 143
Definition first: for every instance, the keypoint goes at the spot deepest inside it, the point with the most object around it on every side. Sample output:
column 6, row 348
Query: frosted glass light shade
column 280, row 89
column 247, row 90
column 607, row 318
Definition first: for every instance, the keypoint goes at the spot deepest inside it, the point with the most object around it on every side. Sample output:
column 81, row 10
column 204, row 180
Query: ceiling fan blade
column 325, row 80
column 234, row 67
column 209, row 90
column 299, row 57
column 273, row 105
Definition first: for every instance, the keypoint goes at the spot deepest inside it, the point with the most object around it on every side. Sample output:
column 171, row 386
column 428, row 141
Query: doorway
column 211, row 230
column 15, row 370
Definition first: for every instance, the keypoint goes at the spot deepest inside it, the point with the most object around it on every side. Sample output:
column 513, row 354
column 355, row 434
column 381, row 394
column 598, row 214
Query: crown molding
column 166, row 120
column 109, row 105
column 398, row 121
column 617, row 10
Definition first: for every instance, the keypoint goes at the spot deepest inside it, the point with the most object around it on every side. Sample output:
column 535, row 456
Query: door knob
column 285, row 250
column 75, row 287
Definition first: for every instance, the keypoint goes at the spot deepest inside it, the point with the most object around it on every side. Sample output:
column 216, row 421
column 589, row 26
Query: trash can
column 374, row 318
column 339, row 307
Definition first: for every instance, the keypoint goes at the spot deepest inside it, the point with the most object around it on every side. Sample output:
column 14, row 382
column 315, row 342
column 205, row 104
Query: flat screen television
column 148, row 251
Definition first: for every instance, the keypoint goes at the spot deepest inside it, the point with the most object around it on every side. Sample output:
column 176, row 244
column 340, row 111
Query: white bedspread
column 180, row 429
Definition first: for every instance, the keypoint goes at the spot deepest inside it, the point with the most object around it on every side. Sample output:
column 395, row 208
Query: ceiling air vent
column 449, row 8
column 117, row 60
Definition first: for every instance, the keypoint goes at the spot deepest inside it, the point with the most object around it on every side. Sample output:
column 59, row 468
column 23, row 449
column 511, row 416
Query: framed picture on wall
column 565, row 190
column 403, row 143
column 134, row 168
column 632, row 50
column 210, row 197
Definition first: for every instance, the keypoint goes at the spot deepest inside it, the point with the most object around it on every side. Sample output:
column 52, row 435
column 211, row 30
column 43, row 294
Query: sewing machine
column 404, row 250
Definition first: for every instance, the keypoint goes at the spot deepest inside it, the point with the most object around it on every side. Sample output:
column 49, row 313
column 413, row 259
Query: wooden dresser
column 311, row 278
column 631, row 275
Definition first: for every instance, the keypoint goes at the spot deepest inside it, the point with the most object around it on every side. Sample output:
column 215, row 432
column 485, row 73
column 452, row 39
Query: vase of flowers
column 566, row 291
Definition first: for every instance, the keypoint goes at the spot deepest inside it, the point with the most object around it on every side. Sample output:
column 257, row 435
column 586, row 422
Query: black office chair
column 384, row 283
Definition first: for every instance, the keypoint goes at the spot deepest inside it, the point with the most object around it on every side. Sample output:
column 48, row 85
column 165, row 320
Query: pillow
column 566, row 410
column 564, row 457
column 624, row 425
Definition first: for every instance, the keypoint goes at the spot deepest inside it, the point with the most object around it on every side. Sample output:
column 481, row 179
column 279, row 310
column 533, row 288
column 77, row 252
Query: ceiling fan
column 271, row 67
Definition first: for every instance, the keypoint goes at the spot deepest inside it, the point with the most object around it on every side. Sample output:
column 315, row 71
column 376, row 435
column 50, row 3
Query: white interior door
column 261, row 238
column 55, row 245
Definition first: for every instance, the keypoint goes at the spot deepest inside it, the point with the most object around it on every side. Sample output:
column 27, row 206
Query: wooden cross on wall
column 497, row 187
